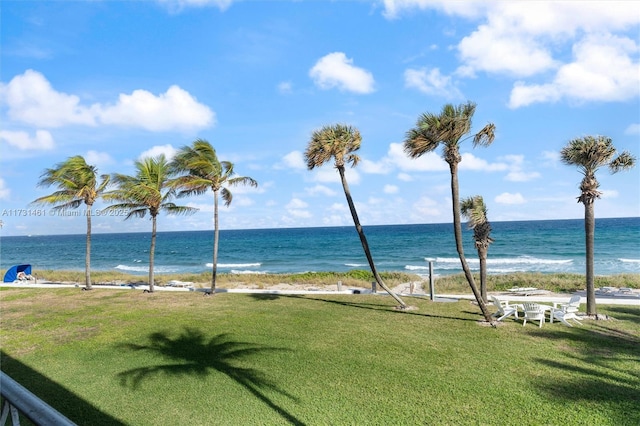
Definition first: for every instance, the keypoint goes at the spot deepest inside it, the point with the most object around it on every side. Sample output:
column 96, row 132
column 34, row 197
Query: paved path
column 549, row 298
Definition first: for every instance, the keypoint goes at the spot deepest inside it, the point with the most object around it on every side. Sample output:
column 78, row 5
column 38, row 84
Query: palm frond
column 227, row 196
column 624, row 161
column 337, row 141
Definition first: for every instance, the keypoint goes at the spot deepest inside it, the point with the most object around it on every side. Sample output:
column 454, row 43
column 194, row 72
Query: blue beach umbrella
column 12, row 273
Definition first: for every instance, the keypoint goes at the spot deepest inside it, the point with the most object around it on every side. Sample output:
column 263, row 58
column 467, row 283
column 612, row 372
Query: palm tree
column 340, row 142
column 448, row 128
column 77, row 183
column 147, row 191
column 589, row 154
column 475, row 211
column 204, row 172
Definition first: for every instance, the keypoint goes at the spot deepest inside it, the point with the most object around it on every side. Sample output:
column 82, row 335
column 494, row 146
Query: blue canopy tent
column 12, row 273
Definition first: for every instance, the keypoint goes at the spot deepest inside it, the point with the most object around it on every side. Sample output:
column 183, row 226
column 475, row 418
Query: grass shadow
column 191, row 354
column 265, row 296
column 625, row 313
column 66, row 402
column 376, row 307
column 619, row 390
column 594, row 369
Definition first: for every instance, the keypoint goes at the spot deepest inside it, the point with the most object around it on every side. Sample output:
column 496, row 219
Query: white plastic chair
column 504, row 309
column 567, row 311
column 533, row 312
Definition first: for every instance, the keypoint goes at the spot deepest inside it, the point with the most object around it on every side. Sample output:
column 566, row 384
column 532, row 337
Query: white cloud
column 633, row 129
column 320, row 190
column 425, row 206
column 515, row 165
column 521, row 176
column 471, row 162
column 4, row 191
column 339, row 208
column 32, row 100
column 177, row 5
column 530, row 39
column 168, row 151
column 405, row 177
column 431, row 82
column 297, row 203
column 294, row 160
column 242, row 201
column 469, row 8
column 42, row 141
column 602, row 70
column 285, row 87
column 508, row 198
column 297, row 208
column 489, row 49
column 174, row 109
column 609, row 193
column 98, row 158
column 379, row 168
column 430, row 162
column 336, row 70
column 551, row 156
column 329, row 174
column 390, row 189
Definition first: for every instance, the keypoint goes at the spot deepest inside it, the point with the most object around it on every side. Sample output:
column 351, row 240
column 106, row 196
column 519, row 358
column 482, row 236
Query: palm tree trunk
column 589, row 231
column 152, row 251
column 216, row 232
column 482, row 255
column 363, row 238
column 87, row 255
column 457, row 230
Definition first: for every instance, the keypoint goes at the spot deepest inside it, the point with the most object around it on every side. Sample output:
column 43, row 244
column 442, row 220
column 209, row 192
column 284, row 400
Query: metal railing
column 18, row 400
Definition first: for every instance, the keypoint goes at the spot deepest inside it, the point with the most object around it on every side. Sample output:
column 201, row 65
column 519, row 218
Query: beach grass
column 113, row 357
column 455, row 283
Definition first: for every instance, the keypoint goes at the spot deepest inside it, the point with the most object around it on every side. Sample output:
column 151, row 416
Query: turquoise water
column 542, row 246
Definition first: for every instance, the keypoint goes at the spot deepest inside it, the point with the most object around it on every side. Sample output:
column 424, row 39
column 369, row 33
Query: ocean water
column 540, row 246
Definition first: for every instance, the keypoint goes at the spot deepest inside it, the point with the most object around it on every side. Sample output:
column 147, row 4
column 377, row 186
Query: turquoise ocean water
column 541, row 246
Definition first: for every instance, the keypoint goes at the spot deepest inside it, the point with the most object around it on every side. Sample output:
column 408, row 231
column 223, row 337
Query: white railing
column 18, row 400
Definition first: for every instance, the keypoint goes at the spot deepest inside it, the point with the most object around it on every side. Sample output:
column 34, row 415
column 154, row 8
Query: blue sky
column 114, row 81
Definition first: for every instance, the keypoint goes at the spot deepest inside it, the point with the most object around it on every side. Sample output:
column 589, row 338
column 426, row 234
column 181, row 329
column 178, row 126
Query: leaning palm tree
column 77, row 184
column 589, row 154
column 475, row 211
column 447, row 129
column 340, row 142
column 147, row 191
column 203, row 172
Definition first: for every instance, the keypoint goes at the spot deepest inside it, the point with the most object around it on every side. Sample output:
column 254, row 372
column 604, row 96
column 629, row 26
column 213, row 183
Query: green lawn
column 108, row 357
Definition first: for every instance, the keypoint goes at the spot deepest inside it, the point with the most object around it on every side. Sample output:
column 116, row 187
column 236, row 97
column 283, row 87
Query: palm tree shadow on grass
column 192, row 354
column 381, row 307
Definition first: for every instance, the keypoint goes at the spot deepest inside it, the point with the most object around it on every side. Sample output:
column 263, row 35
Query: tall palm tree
column 589, row 154
column 77, row 184
column 147, row 191
column 447, row 129
column 203, row 172
column 475, row 211
column 340, row 142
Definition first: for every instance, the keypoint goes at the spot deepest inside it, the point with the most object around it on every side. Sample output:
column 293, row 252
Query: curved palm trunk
column 482, row 255
column 363, row 239
column 216, row 232
column 589, row 231
column 87, row 255
column 457, row 230
column 152, row 251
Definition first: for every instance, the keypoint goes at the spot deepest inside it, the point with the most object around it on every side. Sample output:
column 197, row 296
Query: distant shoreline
column 315, row 227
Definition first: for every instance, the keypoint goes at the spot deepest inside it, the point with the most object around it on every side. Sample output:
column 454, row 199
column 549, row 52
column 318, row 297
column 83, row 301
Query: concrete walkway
column 545, row 298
